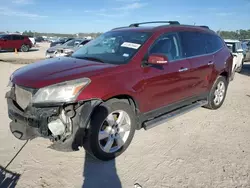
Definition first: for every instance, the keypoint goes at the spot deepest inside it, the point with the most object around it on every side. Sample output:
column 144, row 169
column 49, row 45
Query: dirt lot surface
column 35, row 53
column 200, row 149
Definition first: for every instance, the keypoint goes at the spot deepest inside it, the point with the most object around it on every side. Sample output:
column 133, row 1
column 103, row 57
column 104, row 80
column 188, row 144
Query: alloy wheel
column 114, row 131
column 219, row 93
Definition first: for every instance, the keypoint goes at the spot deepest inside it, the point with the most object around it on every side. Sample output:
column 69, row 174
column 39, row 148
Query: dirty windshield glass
column 116, row 47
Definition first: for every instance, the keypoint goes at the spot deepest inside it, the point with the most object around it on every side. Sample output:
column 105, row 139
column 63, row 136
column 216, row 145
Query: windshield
column 72, row 43
column 114, row 47
column 231, row 46
column 60, row 40
column 244, row 46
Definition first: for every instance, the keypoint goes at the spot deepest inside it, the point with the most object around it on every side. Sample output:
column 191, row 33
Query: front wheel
column 112, row 127
column 217, row 94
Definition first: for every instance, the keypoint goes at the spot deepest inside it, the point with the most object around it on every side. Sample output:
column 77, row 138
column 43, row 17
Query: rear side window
column 167, row 44
column 193, row 43
column 213, row 43
column 17, row 37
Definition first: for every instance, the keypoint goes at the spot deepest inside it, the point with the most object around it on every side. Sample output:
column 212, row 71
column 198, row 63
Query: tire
column 24, row 48
column 98, row 146
column 212, row 94
column 239, row 69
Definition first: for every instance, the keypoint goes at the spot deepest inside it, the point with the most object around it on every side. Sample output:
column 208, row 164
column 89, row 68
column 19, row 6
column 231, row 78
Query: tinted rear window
column 199, row 43
column 193, row 43
column 16, row 37
column 213, row 43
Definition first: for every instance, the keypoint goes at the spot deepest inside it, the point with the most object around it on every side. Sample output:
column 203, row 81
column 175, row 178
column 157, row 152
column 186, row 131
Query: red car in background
column 15, row 41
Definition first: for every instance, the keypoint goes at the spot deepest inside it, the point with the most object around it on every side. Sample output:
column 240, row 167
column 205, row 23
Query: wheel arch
column 125, row 98
column 225, row 74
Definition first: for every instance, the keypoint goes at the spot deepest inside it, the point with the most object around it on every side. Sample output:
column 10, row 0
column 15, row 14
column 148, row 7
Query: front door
column 168, row 83
column 6, row 42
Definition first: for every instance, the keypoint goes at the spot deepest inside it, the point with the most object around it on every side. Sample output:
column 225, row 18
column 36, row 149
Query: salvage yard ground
column 35, row 53
column 203, row 148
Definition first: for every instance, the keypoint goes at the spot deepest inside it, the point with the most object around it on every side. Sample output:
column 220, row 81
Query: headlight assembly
column 63, row 92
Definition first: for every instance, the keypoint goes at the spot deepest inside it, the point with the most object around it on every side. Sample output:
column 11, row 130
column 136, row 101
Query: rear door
column 17, row 41
column 168, row 83
column 194, row 49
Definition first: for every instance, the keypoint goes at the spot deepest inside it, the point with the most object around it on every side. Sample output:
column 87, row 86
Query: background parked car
column 246, row 49
column 236, row 49
column 70, row 50
column 39, row 39
column 60, row 41
column 32, row 39
column 15, row 41
column 70, row 44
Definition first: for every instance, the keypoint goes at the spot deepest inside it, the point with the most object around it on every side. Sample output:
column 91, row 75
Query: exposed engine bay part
column 79, row 114
column 56, row 127
column 61, row 126
column 64, row 125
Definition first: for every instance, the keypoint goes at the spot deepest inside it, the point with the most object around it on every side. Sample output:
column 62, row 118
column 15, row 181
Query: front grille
column 23, row 97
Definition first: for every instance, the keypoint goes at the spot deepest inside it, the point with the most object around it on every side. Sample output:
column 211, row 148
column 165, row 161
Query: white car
column 238, row 53
column 32, row 39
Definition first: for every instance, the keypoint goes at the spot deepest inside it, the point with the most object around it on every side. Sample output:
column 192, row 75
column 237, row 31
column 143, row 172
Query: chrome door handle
column 210, row 63
column 183, row 69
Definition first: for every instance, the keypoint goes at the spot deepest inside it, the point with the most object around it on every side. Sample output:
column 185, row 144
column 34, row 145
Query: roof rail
column 169, row 22
column 204, row 26
column 119, row 28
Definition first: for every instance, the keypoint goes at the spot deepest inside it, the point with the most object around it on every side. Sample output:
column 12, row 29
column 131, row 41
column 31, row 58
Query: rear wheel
column 112, row 127
column 24, row 48
column 217, row 94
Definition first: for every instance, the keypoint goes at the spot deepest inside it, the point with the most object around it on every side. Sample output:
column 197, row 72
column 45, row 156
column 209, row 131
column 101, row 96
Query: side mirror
column 157, row 59
column 240, row 51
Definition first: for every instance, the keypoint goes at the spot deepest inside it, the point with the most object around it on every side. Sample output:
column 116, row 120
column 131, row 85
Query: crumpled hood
column 55, row 70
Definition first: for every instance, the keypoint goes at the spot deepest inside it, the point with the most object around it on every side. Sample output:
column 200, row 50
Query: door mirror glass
column 157, row 59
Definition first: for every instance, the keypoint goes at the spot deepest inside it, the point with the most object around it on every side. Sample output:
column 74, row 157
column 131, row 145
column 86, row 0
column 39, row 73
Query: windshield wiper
column 91, row 59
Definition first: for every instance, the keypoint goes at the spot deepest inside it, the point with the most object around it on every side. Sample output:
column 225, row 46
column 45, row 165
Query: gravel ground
column 35, row 53
column 200, row 149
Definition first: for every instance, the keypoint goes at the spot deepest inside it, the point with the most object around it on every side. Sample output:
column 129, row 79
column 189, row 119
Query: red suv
column 126, row 79
column 12, row 41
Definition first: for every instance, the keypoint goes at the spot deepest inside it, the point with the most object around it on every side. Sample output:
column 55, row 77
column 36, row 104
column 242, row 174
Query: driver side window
column 167, row 45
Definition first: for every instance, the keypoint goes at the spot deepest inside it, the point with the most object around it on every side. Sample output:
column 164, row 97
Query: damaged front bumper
column 38, row 121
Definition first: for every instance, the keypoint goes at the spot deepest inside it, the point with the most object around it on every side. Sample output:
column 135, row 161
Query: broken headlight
column 63, row 92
